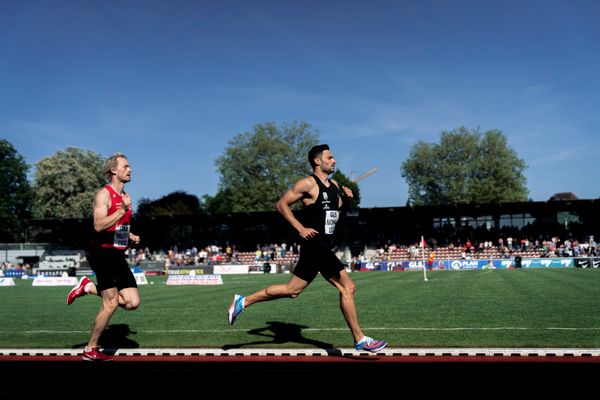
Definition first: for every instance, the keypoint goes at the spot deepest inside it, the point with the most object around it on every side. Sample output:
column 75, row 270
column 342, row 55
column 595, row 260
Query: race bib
column 121, row 237
column 331, row 218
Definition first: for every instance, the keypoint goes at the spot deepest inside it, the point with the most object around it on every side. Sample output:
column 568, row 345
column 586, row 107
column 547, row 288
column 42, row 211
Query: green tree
column 222, row 202
column 259, row 166
column 65, row 184
column 176, row 203
column 465, row 167
column 15, row 193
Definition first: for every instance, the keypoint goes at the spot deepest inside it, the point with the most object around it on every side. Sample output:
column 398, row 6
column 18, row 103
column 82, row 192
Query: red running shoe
column 95, row 355
column 78, row 290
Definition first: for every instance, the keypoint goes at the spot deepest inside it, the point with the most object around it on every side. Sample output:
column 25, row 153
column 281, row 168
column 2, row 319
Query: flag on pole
column 423, row 244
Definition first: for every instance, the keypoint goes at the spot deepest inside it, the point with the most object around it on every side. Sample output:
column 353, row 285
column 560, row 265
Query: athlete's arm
column 299, row 190
column 346, row 196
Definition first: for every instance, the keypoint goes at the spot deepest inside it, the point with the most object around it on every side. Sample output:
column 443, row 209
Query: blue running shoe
column 235, row 309
column 370, row 344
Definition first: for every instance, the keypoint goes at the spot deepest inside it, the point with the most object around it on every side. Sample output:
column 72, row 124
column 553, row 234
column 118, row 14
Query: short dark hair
column 316, row 152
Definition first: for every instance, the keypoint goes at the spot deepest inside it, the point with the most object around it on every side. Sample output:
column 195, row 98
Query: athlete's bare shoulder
column 304, row 185
column 102, row 196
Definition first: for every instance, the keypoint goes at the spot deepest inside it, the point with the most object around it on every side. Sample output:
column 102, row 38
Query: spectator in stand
column 324, row 202
column 258, row 253
column 431, row 260
column 509, row 242
column 228, row 252
column 116, row 284
column 468, row 246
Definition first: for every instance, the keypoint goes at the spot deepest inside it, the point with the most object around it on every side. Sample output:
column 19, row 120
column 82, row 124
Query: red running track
column 301, row 374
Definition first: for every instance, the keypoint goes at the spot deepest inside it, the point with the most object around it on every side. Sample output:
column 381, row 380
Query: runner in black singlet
column 323, row 204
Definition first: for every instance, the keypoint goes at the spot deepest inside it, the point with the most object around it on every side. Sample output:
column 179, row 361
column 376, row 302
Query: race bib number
column 121, row 236
column 331, row 218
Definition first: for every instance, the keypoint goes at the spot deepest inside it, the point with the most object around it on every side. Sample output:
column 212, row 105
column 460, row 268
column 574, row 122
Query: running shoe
column 235, row 309
column 78, row 290
column 370, row 344
column 95, row 355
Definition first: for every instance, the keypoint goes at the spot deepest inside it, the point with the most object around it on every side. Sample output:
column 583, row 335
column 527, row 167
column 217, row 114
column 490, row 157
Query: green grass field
column 478, row 308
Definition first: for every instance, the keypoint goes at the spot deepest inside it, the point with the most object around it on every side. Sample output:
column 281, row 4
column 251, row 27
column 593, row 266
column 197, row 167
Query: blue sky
column 169, row 83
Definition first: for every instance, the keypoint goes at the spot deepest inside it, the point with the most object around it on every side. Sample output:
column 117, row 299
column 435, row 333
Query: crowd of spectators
column 282, row 253
column 503, row 248
column 287, row 254
column 177, row 256
column 7, row 265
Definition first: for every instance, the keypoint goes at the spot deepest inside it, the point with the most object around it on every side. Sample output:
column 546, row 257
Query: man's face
column 123, row 171
column 327, row 162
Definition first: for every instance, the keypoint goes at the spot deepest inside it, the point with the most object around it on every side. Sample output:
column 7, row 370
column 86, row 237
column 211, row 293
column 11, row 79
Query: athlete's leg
column 346, row 286
column 110, row 302
column 292, row 289
column 129, row 298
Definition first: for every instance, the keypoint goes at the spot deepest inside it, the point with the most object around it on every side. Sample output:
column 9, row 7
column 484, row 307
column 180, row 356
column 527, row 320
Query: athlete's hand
column 127, row 201
column 307, row 233
column 134, row 238
column 347, row 192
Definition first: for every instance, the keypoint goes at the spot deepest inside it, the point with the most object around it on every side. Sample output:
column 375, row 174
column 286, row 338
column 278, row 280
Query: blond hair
column 111, row 163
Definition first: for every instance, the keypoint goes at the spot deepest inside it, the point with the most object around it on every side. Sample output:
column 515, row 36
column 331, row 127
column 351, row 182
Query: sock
column 87, row 287
column 363, row 339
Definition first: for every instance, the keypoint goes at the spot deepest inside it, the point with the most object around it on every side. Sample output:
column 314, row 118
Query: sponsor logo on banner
column 193, row 279
column 199, row 271
column 231, row 269
column 7, row 282
column 547, row 262
column 587, row 262
column 464, row 264
column 382, row 266
column 414, row 265
column 140, row 278
column 54, row 281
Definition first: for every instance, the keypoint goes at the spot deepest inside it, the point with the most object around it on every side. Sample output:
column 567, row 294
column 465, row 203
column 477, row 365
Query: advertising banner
column 193, row 279
column 417, row 265
column 592, row 262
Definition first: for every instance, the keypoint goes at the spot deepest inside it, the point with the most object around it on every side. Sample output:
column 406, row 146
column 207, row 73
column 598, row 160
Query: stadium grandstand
column 563, row 226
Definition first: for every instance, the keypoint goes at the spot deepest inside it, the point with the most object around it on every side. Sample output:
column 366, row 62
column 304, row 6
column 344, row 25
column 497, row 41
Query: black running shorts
column 313, row 260
column 111, row 269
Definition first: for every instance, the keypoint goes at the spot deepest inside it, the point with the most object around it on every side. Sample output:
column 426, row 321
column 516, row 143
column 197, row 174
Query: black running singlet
column 323, row 214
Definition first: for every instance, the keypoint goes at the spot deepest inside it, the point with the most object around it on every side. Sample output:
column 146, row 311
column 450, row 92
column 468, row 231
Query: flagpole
column 423, row 257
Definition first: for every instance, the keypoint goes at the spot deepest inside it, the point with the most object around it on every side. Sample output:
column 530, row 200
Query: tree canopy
column 465, row 167
column 257, row 167
column 176, row 203
column 15, row 195
column 65, row 184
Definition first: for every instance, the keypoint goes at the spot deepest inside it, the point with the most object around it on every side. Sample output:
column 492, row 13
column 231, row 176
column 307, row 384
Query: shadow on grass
column 280, row 333
column 115, row 337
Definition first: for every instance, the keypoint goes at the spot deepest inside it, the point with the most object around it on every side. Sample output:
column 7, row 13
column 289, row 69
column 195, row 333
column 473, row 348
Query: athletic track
column 300, row 374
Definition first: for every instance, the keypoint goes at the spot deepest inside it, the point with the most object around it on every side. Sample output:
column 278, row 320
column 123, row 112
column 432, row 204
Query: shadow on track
column 115, row 337
column 281, row 333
